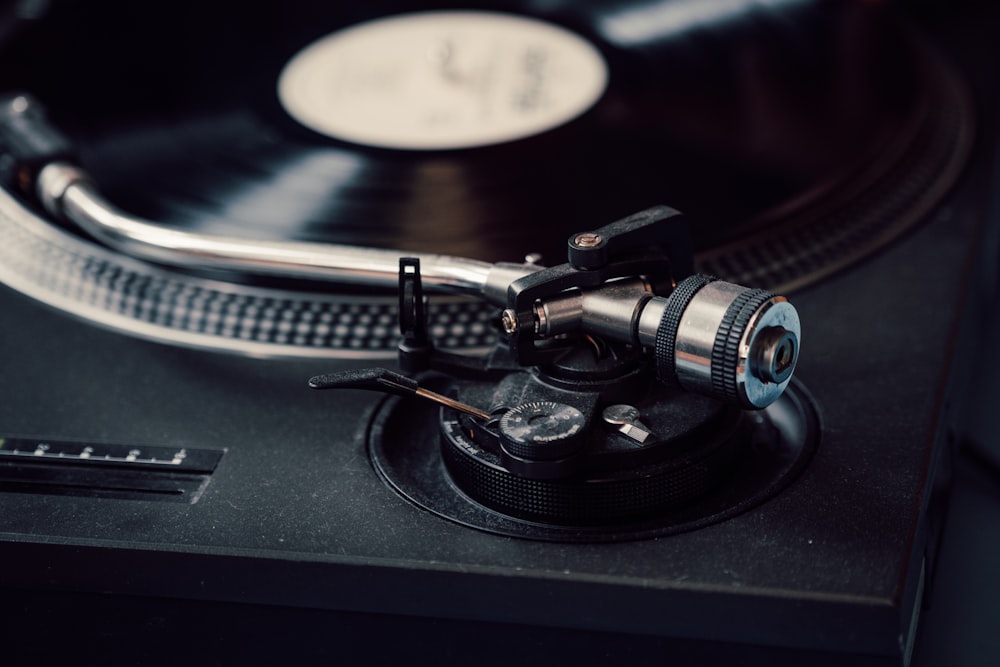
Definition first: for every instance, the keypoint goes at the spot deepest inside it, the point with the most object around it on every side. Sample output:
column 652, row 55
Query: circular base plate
column 405, row 450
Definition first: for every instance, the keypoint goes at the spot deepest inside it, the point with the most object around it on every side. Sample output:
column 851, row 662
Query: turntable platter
column 759, row 124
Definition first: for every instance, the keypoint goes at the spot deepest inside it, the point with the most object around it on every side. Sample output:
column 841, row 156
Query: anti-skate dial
column 542, row 430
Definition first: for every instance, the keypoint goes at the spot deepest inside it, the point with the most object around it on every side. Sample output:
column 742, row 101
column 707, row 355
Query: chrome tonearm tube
column 67, row 192
column 630, row 282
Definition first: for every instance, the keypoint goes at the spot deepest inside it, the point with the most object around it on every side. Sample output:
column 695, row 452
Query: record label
column 442, row 80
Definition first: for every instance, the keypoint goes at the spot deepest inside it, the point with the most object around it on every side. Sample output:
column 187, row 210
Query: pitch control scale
column 32, row 465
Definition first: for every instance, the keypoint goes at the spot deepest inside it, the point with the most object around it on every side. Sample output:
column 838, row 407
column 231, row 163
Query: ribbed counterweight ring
column 731, row 342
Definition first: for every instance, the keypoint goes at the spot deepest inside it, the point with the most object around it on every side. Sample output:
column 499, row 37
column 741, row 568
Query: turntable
column 716, row 423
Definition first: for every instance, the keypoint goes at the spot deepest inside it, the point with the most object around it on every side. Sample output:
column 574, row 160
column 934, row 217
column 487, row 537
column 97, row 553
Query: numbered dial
column 542, row 430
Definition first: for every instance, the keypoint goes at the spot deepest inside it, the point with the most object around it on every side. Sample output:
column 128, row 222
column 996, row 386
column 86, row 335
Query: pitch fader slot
column 105, row 470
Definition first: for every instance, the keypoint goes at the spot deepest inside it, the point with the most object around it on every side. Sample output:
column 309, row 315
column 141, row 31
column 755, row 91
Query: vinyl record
column 760, row 121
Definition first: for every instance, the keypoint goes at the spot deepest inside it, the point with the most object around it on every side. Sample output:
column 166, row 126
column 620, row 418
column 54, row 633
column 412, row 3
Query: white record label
column 442, row 80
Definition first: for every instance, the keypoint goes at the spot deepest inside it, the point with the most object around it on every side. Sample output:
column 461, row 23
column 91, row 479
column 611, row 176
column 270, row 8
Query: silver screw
column 509, row 320
column 588, row 240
